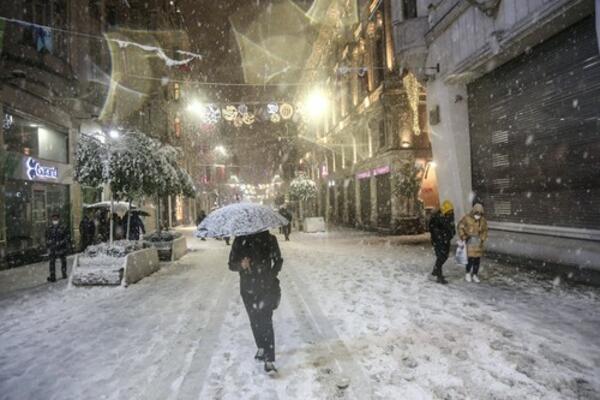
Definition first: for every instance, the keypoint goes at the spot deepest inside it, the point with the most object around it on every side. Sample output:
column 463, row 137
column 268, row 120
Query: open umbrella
column 120, row 206
column 239, row 219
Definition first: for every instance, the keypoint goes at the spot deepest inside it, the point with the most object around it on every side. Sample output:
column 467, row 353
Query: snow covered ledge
column 178, row 248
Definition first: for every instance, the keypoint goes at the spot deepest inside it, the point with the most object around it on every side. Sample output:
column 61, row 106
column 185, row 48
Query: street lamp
column 113, row 133
column 316, row 104
column 221, row 149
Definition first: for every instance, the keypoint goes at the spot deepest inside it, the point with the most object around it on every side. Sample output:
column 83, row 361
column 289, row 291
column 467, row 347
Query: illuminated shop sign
column 374, row 172
column 35, row 170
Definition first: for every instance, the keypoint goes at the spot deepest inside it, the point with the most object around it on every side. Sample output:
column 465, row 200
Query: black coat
column 442, row 229
column 87, row 229
column 137, row 226
column 57, row 240
column 265, row 261
column 286, row 214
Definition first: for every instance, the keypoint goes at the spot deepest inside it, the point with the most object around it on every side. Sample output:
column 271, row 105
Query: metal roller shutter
column 535, row 133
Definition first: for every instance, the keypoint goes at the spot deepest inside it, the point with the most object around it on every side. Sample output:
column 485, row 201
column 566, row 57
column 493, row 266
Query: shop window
column 382, row 136
column 33, row 139
column 176, row 91
column 409, row 8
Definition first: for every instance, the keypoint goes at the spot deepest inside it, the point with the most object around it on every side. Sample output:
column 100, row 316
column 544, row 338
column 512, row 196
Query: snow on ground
column 351, row 311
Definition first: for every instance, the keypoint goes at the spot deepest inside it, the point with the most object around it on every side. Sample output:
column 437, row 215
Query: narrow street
column 350, row 312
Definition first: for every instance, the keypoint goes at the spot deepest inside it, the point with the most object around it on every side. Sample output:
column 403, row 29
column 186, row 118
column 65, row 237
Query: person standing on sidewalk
column 87, row 231
column 473, row 230
column 57, row 241
column 286, row 229
column 442, row 229
column 258, row 260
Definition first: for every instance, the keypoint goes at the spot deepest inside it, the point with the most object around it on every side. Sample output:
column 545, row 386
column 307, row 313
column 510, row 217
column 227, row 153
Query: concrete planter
column 125, row 270
column 179, row 248
column 170, row 250
column 314, row 224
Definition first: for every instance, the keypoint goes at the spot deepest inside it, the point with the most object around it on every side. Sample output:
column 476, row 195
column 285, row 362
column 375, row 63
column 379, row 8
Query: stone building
column 376, row 122
column 513, row 102
column 47, row 94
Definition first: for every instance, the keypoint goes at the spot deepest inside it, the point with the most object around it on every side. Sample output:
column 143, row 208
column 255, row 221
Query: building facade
column 513, row 105
column 375, row 125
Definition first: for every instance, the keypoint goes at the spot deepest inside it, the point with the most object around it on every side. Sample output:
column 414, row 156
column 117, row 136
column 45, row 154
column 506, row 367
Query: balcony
column 409, row 44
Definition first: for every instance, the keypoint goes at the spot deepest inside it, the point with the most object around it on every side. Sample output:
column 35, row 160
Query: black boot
column 441, row 279
column 260, row 355
column 270, row 368
column 51, row 278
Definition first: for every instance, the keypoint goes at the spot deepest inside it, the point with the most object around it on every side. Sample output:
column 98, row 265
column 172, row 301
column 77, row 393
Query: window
column 409, row 8
column 34, row 139
column 382, row 136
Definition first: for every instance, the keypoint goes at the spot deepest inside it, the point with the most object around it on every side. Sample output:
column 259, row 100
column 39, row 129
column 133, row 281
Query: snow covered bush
column 120, row 248
column 302, row 188
column 164, row 236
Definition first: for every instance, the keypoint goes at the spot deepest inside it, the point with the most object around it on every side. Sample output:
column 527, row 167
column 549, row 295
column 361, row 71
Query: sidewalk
column 29, row 276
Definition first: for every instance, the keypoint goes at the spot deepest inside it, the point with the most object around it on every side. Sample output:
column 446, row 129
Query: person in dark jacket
column 287, row 229
column 201, row 216
column 136, row 226
column 87, row 231
column 258, row 260
column 57, row 241
column 442, row 229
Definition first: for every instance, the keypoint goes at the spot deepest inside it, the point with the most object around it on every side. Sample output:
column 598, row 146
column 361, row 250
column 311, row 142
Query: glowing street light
column 196, row 107
column 221, row 149
column 113, row 133
column 316, row 104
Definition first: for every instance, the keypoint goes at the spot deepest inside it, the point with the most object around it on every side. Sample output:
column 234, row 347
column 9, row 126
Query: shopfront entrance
column 365, row 201
column 384, row 204
column 29, row 207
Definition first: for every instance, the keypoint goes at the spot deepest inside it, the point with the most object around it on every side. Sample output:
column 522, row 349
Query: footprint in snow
column 410, row 362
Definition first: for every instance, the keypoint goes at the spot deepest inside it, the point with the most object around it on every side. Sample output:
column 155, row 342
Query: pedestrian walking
column 442, row 230
column 286, row 229
column 258, row 260
column 57, row 241
column 136, row 225
column 473, row 230
column 87, row 231
column 201, row 216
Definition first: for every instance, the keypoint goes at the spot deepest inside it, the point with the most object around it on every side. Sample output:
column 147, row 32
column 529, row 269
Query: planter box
column 314, row 224
column 179, row 248
column 170, row 250
column 140, row 264
column 125, row 270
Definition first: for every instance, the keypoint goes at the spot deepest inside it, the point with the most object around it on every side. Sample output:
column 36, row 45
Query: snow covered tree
column 90, row 161
column 302, row 189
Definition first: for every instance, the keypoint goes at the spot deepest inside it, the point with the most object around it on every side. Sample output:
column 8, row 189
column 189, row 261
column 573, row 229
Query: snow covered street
column 350, row 312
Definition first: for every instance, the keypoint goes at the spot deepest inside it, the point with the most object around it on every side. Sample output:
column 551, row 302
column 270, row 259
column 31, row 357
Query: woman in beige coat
column 473, row 230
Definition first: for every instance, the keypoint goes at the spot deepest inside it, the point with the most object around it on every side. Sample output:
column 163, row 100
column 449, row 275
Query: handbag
column 461, row 253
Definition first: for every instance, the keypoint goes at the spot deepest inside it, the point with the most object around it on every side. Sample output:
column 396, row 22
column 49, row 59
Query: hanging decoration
column 230, row 113
column 248, row 118
column 242, row 109
column 272, row 108
column 212, row 114
column 275, row 118
column 286, row 111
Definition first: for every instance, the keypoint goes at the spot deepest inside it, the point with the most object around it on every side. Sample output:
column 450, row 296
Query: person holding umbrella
column 255, row 255
column 258, row 260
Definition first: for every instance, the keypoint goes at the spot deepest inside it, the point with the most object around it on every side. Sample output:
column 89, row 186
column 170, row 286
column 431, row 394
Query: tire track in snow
column 328, row 345
column 198, row 359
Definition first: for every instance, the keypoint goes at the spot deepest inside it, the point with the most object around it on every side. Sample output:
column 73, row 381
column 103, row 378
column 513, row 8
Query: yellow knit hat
column 447, row 207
